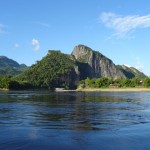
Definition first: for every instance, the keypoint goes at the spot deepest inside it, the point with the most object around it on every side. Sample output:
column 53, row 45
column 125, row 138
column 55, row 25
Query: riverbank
column 95, row 90
column 114, row 89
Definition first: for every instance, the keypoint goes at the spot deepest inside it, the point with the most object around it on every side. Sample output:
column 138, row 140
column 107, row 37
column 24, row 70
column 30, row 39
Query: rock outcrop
column 131, row 72
column 94, row 65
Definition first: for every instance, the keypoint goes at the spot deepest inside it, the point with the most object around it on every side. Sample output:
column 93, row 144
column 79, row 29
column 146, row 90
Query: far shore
column 114, row 89
column 136, row 89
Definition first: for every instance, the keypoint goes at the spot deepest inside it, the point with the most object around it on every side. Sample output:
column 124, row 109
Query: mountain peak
column 81, row 51
column 82, row 47
column 5, row 61
column 9, row 66
column 93, row 64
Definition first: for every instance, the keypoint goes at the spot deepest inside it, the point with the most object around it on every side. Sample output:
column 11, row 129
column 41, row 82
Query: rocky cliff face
column 131, row 72
column 94, row 65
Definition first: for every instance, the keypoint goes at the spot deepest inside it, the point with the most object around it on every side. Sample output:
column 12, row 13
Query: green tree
column 135, row 82
column 125, row 83
column 147, row 82
column 102, row 82
column 4, row 83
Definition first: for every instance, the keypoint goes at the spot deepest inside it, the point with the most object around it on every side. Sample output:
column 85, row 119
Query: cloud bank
column 36, row 44
column 122, row 25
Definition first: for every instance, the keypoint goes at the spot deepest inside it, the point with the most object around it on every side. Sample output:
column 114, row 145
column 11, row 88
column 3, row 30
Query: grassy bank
column 114, row 89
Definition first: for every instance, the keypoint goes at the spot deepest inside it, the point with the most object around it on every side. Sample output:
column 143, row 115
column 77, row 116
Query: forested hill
column 61, row 70
column 10, row 67
column 54, row 70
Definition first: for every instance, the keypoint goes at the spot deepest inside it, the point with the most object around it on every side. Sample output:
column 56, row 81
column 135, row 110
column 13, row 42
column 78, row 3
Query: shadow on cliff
column 85, row 70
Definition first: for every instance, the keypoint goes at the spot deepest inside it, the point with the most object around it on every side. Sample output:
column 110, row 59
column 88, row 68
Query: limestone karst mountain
column 93, row 64
column 62, row 70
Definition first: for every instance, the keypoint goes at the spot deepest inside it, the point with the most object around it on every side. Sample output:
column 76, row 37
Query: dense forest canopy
column 117, row 83
column 54, row 70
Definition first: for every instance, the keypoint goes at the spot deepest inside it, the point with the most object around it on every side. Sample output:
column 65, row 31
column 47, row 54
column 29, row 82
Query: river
column 45, row 120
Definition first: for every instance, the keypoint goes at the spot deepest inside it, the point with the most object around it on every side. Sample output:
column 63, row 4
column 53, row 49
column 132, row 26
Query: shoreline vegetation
column 118, row 85
column 140, row 89
column 94, row 84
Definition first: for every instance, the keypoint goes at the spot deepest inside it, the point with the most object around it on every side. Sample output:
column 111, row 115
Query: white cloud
column 36, row 44
column 46, row 25
column 17, row 45
column 127, row 65
column 122, row 25
column 138, row 64
column 139, row 67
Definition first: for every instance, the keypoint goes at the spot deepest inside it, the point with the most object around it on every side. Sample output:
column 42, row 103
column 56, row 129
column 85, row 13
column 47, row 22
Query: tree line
column 119, row 82
column 7, row 82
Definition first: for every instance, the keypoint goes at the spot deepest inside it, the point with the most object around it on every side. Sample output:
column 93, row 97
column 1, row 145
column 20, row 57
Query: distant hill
column 10, row 67
column 61, row 70
column 131, row 72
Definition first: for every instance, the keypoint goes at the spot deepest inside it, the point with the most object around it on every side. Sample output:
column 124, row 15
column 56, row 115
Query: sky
column 119, row 29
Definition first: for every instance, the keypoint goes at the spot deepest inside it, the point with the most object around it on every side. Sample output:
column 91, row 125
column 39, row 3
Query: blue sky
column 118, row 29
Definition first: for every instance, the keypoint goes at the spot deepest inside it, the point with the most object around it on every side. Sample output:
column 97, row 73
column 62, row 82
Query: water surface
column 38, row 120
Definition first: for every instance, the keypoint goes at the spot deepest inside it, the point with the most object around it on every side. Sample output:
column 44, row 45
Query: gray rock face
column 131, row 72
column 94, row 65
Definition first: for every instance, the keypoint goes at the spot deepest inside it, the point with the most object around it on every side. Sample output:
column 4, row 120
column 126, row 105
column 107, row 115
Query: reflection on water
column 66, row 117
